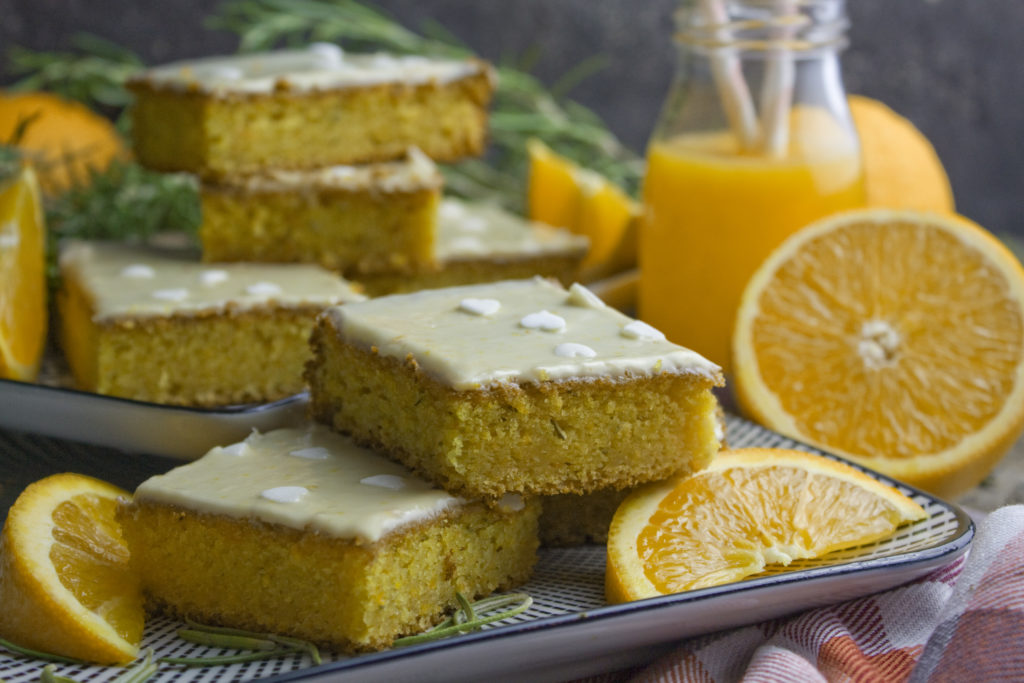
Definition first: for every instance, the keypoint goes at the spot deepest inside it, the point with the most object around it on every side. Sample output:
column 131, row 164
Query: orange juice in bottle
column 736, row 167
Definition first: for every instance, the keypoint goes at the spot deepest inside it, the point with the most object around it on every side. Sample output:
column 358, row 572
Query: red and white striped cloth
column 961, row 622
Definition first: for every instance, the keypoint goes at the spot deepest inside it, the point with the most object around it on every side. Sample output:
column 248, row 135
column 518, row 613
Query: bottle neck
column 755, row 68
column 802, row 28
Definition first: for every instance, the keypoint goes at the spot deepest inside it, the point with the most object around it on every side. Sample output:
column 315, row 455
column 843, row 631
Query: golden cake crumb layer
column 243, row 557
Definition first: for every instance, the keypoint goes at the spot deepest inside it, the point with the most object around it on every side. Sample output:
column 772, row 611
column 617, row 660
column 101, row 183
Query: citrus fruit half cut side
column 65, row 582
column 22, row 277
column 750, row 508
column 893, row 337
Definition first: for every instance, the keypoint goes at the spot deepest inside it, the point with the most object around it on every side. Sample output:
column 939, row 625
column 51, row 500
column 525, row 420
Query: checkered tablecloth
column 962, row 622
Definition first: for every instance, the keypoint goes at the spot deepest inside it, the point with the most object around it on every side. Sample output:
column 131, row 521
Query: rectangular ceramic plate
column 568, row 632
column 136, row 426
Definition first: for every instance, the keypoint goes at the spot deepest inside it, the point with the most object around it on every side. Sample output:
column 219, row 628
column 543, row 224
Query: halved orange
column 750, row 508
column 901, row 167
column 893, row 337
column 65, row 583
column 22, row 277
column 563, row 194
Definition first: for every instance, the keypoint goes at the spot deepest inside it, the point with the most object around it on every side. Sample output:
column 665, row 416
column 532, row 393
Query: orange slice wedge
column 22, row 278
column 750, row 508
column 65, row 584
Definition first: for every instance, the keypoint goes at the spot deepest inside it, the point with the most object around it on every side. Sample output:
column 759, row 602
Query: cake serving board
column 568, row 632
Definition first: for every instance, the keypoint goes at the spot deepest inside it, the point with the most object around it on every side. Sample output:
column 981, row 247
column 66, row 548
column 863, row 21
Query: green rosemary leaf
column 143, row 671
column 520, row 603
column 48, row 675
column 17, row 649
column 226, row 641
column 227, row 659
column 298, row 644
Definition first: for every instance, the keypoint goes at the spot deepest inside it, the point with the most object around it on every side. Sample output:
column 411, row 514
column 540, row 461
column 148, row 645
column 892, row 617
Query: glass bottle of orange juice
column 754, row 142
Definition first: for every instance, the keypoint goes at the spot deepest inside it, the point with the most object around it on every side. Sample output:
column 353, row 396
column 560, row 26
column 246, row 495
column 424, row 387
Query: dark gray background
column 954, row 67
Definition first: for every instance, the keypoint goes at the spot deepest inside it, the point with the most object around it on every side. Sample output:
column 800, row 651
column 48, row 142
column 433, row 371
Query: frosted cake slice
column 518, row 386
column 478, row 242
column 300, row 532
column 155, row 325
column 307, row 108
column 358, row 220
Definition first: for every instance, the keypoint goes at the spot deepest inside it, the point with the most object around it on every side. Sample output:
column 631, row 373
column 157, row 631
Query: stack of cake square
column 319, row 156
column 517, row 388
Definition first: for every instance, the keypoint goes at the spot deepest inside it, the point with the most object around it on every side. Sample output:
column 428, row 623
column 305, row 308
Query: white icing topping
column 236, row 449
column 176, row 294
column 480, row 306
column 138, row 271
column 638, row 329
column 467, row 231
column 543, row 320
column 311, row 453
column 474, row 224
column 581, row 296
column 224, row 72
column 451, row 210
column 210, row 278
column 285, row 494
column 386, row 481
column 468, row 244
column 415, row 173
column 573, row 350
column 322, row 66
column 181, row 285
column 472, row 352
column 336, row 501
column 263, row 288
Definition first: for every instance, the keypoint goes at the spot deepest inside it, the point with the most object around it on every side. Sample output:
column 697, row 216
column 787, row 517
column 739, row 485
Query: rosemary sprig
column 261, row 645
column 469, row 617
column 49, row 675
column 124, row 202
column 302, row 645
column 92, row 72
column 143, row 671
column 46, row 656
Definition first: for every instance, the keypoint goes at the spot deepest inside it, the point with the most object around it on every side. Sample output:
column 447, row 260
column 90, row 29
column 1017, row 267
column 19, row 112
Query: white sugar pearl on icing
column 382, row 61
column 385, row 481
column 312, row 453
column 638, row 329
column 224, row 72
column 263, row 289
column 213, row 277
column 327, row 54
column 171, row 294
column 573, row 350
column 480, row 306
column 139, row 271
column 236, row 449
column 285, row 494
column 543, row 320
column 583, row 297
